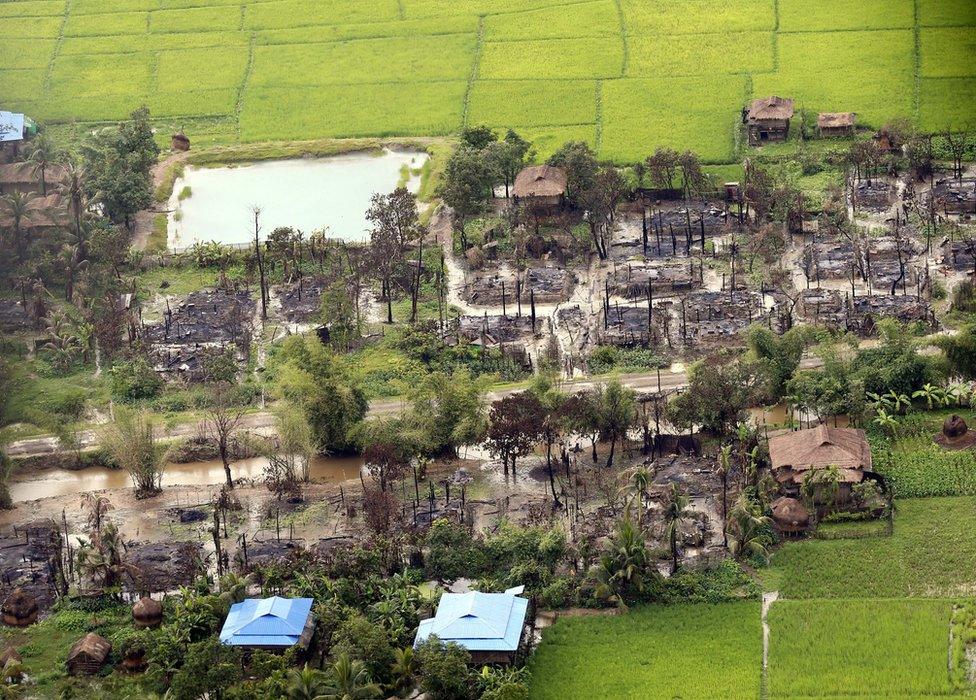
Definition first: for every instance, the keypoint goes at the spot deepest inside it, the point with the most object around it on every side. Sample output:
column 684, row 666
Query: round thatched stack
column 790, row 515
column 147, row 612
column 88, row 655
column 955, row 434
column 180, row 142
column 9, row 654
column 19, row 609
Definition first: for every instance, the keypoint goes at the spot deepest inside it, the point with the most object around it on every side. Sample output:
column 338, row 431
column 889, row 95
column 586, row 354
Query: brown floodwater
column 62, row 482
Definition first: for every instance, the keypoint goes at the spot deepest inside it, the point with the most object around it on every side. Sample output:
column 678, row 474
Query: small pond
column 305, row 193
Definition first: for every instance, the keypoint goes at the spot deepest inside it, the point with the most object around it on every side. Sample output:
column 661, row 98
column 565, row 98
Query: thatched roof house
column 26, row 177
column 768, row 119
column 19, row 609
column 541, row 183
column 42, row 213
column 790, row 516
column 88, row 655
column 795, row 456
column 836, row 123
column 147, row 612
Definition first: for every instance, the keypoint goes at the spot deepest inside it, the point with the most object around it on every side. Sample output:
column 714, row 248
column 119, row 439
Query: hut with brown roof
column 30, row 177
column 147, row 612
column 88, row 655
column 768, row 119
column 180, row 141
column 540, row 184
column 790, row 516
column 19, row 609
column 835, row 124
column 798, row 455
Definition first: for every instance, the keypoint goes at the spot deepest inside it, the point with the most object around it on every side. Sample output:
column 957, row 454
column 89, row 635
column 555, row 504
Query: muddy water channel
column 216, row 204
column 64, row 482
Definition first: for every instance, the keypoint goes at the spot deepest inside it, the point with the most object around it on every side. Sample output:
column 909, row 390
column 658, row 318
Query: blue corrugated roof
column 477, row 621
column 11, row 126
column 266, row 622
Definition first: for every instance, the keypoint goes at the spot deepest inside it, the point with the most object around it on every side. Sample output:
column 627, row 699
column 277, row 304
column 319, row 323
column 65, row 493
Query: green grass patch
column 698, row 16
column 515, row 103
column 196, row 19
column 299, row 13
column 588, row 19
column 830, row 15
column 21, row 84
column 930, row 554
column 876, row 648
column 700, row 54
column 951, row 13
column 370, row 30
column 949, row 52
column 687, row 651
column 106, row 24
column 30, row 27
column 947, row 102
column 638, row 116
column 181, row 70
column 32, row 8
column 559, row 59
column 25, row 53
column 870, row 73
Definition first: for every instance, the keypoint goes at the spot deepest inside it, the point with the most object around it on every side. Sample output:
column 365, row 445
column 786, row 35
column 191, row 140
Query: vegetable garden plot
column 516, row 103
column 700, row 54
column 698, row 16
column 699, row 114
column 930, row 554
column 196, row 69
column 948, row 52
column 408, row 59
column 25, row 53
column 588, row 19
column 559, row 59
column 300, row 13
column 831, row 15
column 946, row 102
column 197, row 19
column 871, row 73
column 379, row 109
column 32, row 8
column 880, row 648
column 118, row 23
column 948, row 13
column 688, row 651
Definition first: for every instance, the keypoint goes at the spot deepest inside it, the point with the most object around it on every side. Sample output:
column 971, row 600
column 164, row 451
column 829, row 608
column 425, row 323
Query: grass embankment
column 688, row 651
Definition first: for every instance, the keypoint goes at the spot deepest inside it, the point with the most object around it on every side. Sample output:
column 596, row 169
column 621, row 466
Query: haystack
column 19, row 609
column 790, row 515
column 147, row 612
column 88, row 655
column 955, row 434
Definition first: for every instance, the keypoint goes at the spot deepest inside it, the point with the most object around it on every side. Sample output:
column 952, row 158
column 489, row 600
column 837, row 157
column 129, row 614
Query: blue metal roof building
column 489, row 625
column 269, row 623
column 11, row 126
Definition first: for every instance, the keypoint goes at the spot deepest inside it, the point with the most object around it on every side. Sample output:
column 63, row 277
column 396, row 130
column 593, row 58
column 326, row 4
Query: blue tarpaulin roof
column 11, row 126
column 477, row 621
column 266, row 622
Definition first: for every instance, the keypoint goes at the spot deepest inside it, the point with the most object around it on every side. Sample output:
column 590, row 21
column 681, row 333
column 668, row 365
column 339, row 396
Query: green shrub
column 134, row 380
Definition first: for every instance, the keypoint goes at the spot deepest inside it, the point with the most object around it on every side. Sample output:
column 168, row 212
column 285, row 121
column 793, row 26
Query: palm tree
column 746, row 526
column 74, row 264
column 233, row 588
column 638, row 481
column 73, row 188
column 40, row 151
column 676, row 511
column 404, row 667
column 62, row 341
column 97, row 506
column 305, row 684
column 348, row 680
column 623, row 568
column 18, row 206
column 725, row 463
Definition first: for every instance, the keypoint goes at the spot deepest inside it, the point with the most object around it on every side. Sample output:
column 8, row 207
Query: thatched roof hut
column 9, row 654
column 19, row 609
column 836, row 123
column 147, row 612
column 544, row 183
column 180, row 141
column 955, row 434
column 795, row 456
column 790, row 515
column 88, row 655
column 771, row 108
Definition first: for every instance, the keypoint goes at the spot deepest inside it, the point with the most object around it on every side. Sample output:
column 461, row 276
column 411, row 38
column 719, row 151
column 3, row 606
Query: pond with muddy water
column 309, row 194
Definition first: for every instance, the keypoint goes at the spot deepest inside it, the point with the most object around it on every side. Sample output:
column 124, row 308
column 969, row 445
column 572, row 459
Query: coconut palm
column 348, row 680
column 73, row 264
column 724, row 465
column 623, row 568
column 62, row 342
column 17, row 207
column 73, row 189
column 746, row 528
column 404, row 667
column 41, row 152
column 676, row 511
column 233, row 588
column 638, row 481
column 305, row 684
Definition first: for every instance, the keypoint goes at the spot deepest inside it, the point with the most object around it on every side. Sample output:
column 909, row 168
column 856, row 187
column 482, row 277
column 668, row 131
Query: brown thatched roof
column 147, row 612
column 821, row 447
column 789, row 513
column 540, row 181
column 43, row 212
column 27, row 173
column 20, row 608
column 836, row 120
column 955, row 434
column 9, row 654
column 767, row 108
column 90, row 649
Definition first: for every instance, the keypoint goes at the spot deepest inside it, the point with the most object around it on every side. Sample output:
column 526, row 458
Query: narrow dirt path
column 143, row 225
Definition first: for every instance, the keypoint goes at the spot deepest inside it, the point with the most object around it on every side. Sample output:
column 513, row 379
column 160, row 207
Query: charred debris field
column 622, row 75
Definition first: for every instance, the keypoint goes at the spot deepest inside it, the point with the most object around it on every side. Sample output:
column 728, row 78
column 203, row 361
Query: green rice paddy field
column 625, row 75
